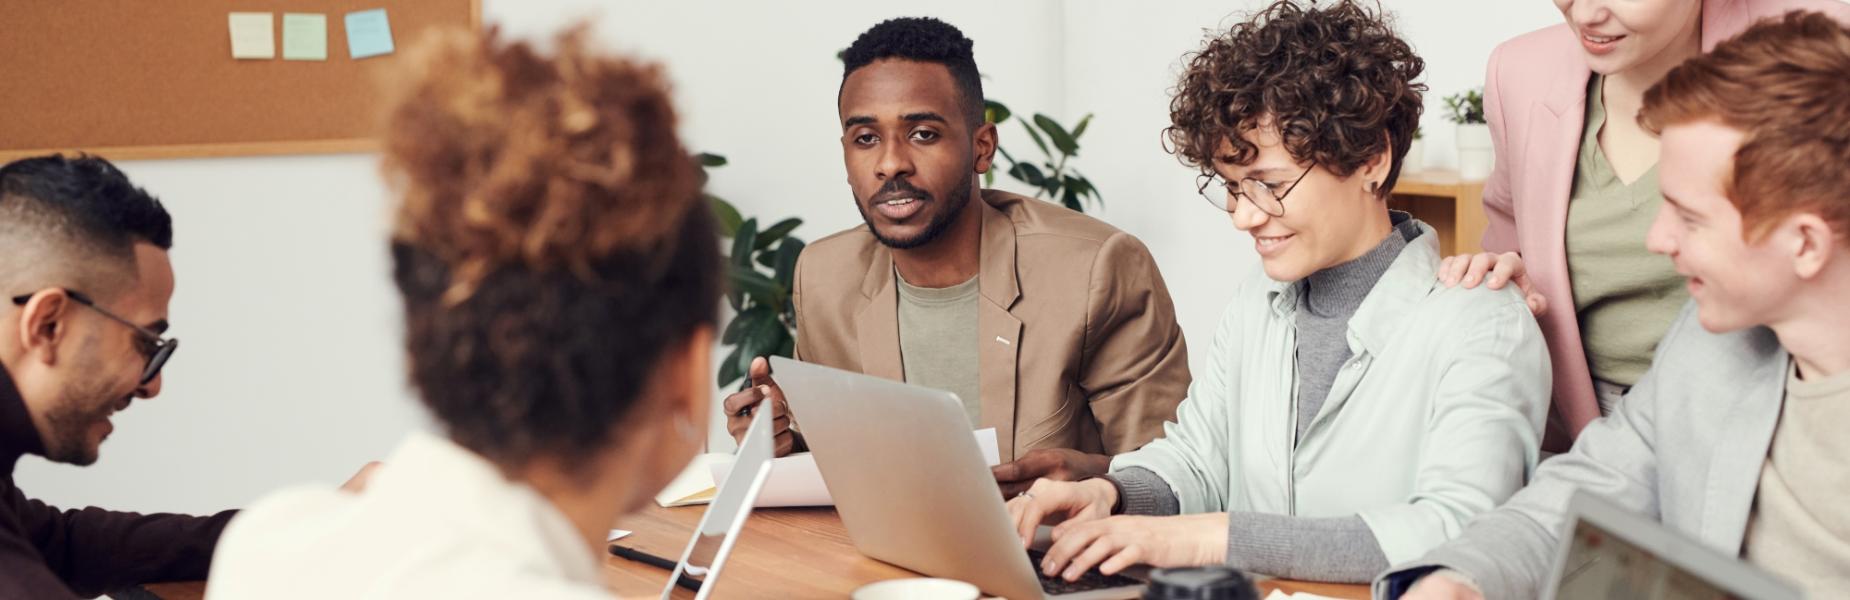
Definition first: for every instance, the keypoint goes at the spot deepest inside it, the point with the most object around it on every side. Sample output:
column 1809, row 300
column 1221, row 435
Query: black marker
column 652, row 560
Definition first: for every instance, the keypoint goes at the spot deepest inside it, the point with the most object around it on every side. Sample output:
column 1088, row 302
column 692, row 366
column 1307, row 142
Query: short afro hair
column 922, row 39
column 1336, row 80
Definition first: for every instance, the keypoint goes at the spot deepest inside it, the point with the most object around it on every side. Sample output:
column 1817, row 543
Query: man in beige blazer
column 1053, row 327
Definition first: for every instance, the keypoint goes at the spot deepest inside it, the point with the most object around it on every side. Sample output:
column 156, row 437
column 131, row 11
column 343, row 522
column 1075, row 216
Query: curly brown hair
column 550, row 242
column 1336, row 81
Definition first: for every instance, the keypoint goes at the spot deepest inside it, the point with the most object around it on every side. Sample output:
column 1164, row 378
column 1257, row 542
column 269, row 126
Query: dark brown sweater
column 51, row 553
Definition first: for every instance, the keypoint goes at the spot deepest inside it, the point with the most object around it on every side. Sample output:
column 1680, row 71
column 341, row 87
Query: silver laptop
column 1608, row 552
column 719, row 527
column 912, row 487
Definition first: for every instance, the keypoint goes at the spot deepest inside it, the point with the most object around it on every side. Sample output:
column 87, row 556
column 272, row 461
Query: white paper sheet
column 1278, row 595
column 697, row 477
column 795, row 480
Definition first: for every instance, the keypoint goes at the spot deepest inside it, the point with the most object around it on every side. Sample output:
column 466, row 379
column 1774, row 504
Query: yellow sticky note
column 253, row 35
column 305, row 36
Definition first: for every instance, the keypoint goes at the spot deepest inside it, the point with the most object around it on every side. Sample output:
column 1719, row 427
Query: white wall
column 292, row 368
column 290, row 363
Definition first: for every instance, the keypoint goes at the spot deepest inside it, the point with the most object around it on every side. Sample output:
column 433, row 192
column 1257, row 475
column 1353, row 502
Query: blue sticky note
column 368, row 33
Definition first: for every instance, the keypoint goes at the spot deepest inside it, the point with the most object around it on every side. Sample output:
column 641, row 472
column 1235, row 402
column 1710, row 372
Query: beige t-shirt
column 937, row 340
column 1800, row 527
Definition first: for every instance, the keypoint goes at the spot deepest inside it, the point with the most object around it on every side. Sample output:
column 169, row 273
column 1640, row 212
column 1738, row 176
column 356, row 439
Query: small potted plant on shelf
column 1475, row 154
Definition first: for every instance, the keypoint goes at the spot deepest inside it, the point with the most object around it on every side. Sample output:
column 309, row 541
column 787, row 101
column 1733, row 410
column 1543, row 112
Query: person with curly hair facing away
column 1355, row 412
column 561, row 287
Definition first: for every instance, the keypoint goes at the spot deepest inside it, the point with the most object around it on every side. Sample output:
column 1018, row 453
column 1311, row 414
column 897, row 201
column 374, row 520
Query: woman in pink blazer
column 1536, row 98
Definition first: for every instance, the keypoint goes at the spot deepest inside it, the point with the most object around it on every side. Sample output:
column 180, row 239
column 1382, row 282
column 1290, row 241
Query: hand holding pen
column 740, row 406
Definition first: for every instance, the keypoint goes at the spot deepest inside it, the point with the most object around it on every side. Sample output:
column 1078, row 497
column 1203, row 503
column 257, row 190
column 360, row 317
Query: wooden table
column 782, row 553
column 795, row 553
column 1451, row 205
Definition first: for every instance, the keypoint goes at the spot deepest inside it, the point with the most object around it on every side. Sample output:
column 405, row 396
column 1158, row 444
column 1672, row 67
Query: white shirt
column 436, row 521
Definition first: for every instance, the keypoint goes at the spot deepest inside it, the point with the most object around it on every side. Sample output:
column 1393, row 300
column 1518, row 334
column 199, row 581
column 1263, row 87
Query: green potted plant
column 1052, row 178
column 759, row 271
column 1475, row 153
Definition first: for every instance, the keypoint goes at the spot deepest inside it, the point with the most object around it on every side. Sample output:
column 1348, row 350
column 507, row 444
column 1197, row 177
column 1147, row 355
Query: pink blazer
column 1535, row 99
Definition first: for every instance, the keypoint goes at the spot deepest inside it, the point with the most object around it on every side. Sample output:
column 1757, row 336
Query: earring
column 685, row 427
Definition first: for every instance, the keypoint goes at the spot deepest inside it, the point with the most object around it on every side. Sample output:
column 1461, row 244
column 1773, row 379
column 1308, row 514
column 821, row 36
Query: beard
column 954, row 205
column 80, row 407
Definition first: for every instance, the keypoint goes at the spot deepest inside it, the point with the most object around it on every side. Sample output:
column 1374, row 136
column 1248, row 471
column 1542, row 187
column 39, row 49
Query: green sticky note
column 305, row 36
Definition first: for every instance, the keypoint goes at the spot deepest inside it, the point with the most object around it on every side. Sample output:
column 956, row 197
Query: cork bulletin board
column 134, row 79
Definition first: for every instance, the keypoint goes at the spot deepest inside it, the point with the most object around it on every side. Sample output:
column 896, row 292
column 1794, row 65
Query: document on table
column 794, row 480
column 694, row 485
column 1278, row 595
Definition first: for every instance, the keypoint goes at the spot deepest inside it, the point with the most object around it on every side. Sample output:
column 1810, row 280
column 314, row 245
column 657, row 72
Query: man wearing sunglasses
column 84, row 270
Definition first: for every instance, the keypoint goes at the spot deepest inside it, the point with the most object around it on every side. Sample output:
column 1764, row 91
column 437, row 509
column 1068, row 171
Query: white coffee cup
column 918, row 588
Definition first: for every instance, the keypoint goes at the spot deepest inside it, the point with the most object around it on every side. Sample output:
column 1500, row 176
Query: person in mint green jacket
column 1354, row 413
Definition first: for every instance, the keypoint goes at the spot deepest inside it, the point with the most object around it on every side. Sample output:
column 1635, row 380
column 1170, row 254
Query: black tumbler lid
column 1200, row 583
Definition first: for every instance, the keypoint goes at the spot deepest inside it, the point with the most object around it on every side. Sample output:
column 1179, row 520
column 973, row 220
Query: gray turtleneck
column 1329, row 298
column 1311, row 548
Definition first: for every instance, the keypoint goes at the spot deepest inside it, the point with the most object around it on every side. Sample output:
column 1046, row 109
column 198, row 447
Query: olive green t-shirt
column 1625, row 296
column 937, row 340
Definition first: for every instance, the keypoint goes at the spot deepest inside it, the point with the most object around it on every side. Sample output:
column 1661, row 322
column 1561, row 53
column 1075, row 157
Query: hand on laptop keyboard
column 1115, row 543
column 1091, row 580
column 1049, row 502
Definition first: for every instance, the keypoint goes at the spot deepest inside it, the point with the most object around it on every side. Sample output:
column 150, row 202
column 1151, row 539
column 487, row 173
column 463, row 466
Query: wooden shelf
column 1453, row 206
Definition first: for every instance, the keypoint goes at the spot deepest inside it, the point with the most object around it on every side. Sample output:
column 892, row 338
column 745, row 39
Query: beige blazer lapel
column 876, row 325
column 998, row 331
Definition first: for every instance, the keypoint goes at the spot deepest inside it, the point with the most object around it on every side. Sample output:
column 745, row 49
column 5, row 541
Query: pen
column 746, row 411
column 652, row 560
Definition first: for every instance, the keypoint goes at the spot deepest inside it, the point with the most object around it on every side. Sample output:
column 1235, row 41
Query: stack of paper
column 794, row 480
column 1278, row 595
column 694, row 485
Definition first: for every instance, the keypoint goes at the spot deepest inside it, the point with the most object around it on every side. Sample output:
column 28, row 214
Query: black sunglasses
column 163, row 347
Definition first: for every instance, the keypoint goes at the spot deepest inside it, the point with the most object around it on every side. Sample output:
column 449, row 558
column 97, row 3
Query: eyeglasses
column 158, row 348
column 1226, row 196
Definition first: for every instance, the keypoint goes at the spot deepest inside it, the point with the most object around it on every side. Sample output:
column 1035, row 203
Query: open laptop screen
column 719, row 527
column 1610, row 553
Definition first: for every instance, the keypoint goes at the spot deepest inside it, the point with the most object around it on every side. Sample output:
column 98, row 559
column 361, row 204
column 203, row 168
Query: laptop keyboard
column 1091, row 580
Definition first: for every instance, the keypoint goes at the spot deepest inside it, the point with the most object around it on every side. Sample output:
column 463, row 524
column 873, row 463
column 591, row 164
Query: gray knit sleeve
column 1142, row 492
column 1338, row 549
